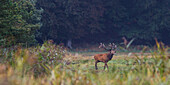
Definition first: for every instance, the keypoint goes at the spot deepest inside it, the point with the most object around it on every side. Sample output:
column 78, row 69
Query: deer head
column 112, row 48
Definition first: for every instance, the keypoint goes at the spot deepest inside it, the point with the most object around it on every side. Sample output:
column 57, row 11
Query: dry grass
column 78, row 68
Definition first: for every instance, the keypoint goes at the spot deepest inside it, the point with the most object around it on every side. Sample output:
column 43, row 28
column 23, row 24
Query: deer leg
column 105, row 65
column 96, row 65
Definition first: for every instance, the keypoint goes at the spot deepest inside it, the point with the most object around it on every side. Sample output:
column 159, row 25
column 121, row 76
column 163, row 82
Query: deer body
column 104, row 57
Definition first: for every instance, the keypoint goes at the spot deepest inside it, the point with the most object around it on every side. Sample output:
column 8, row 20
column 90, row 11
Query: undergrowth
column 51, row 65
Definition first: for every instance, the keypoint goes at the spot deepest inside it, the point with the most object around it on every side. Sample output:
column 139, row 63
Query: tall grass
column 41, row 65
column 34, row 59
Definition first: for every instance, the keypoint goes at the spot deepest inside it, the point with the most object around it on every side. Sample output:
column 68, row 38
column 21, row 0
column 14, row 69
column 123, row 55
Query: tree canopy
column 88, row 21
column 103, row 20
column 19, row 20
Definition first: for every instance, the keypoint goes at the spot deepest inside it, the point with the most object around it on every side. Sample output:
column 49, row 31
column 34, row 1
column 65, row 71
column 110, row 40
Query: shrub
column 39, row 59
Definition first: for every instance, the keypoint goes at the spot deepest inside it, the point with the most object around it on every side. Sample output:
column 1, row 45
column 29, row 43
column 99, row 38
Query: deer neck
column 110, row 55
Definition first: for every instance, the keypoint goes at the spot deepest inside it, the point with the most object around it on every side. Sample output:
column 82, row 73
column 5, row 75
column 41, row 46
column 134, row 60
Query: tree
column 19, row 19
column 105, row 20
column 65, row 19
column 147, row 20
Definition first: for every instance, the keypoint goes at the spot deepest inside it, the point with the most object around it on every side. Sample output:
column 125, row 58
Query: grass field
column 77, row 68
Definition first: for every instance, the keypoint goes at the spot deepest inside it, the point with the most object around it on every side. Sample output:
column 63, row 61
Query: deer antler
column 101, row 45
column 111, row 45
column 114, row 46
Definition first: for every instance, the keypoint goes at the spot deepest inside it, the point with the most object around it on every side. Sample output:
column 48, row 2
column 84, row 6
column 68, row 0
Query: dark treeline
column 105, row 20
column 89, row 21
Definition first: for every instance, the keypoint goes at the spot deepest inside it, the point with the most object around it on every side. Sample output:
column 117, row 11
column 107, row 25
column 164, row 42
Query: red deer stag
column 106, row 56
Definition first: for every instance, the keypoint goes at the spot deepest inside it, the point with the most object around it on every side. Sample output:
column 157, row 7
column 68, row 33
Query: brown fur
column 104, row 57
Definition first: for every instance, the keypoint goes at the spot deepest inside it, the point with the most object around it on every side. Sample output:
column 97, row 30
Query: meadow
column 49, row 64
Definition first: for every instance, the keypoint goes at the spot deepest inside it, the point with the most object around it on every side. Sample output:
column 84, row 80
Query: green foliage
column 19, row 19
